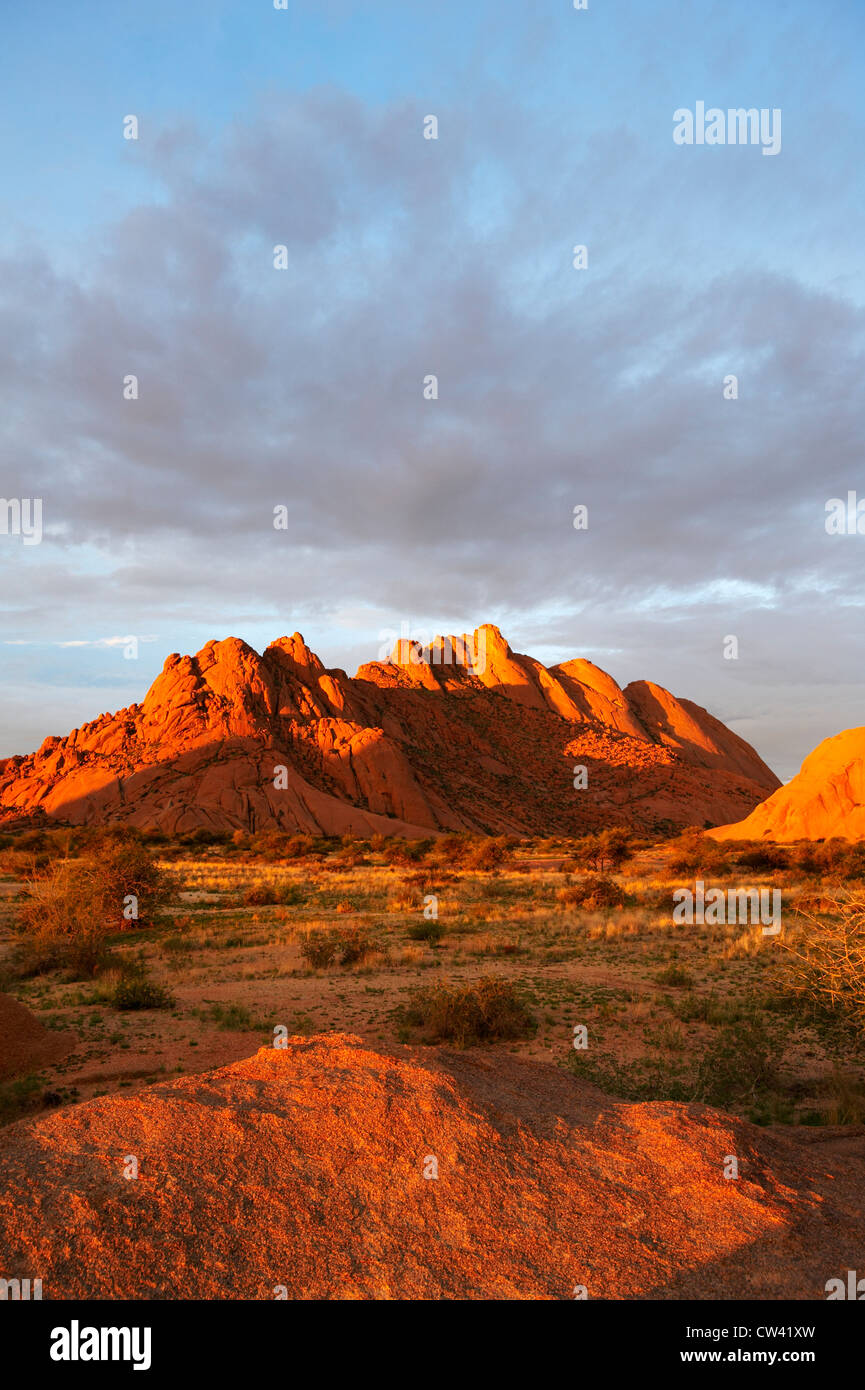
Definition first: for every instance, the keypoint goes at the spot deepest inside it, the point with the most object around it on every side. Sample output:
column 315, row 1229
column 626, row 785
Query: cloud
column 81, row 642
column 303, row 387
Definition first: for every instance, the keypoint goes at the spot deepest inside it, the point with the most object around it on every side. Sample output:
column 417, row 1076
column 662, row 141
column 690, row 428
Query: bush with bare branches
column 825, row 956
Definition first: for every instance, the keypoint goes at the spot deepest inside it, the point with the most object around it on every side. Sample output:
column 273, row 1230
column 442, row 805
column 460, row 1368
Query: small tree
column 72, row 909
column 604, row 851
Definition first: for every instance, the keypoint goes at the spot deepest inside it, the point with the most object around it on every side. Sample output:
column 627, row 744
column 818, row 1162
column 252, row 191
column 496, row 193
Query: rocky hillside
column 230, row 739
column 328, row 1170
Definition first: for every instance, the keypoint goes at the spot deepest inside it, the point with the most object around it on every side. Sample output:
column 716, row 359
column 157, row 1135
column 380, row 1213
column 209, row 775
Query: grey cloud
column 261, row 387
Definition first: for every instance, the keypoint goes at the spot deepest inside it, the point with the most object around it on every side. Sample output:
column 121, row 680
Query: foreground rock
column 25, row 1045
column 230, row 740
column 304, row 1168
column 825, row 799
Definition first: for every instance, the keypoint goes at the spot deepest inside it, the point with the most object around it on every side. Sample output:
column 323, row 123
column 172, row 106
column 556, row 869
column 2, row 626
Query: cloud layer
column 304, row 388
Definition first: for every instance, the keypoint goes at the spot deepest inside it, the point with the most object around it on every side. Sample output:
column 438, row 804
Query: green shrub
column 427, row 930
column 233, row 1018
column 19, row 1096
column 675, row 976
column 738, row 1064
column 137, row 992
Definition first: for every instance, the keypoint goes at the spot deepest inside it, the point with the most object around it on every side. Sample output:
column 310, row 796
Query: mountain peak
column 462, row 734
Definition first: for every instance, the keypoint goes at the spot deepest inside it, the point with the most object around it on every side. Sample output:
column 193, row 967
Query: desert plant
column 738, row 1065
column 64, row 920
column 430, row 931
column 606, row 850
column 486, row 854
column 233, row 1018
column 826, row 961
column 483, row 1011
column 18, row 1096
column 72, row 909
column 123, row 868
column 765, row 857
column 319, row 947
column 273, row 895
column 695, row 853
column 354, row 944
column 837, row 860
column 593, row 892
column 135, row 991
column 675, row 976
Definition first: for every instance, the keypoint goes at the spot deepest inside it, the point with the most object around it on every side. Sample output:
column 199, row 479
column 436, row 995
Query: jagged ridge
column 408, row 746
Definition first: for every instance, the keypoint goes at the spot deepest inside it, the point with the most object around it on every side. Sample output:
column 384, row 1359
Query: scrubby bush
column 318, row 947
column 324, row 946
column 765, row 857
column 676, row 977
column 233, row 1018
column 64, row 920
column 593, row 892
column 135, row 991
column 487, row 1010
column 837, row 860
column 695, row 853
column 398, row 851
column 486, row 854
column 203, row 836
column 355, row 944
column 603, row 851
column 738, row 1065
column 273, row 895
column 123, row 867
column 825, row 961
column 429, row 931
column 72, row 909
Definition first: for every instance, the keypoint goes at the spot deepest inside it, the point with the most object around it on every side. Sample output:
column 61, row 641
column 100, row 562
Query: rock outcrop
column 25, row 1044
column 330, row 1171
column 464, row 735
column 824, row 800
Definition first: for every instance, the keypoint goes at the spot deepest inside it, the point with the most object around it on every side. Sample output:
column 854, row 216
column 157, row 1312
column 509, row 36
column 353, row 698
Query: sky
column 303, row 387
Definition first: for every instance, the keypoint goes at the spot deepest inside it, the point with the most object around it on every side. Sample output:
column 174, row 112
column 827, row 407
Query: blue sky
column 303, row 127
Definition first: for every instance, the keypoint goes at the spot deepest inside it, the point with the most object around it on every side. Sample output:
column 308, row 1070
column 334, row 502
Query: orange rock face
column 332, row 1171
column 825, row 799
column 25, row 1044
column 465, row 735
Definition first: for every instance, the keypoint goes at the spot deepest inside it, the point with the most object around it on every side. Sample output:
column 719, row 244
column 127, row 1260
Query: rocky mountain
column 329, row 1170
column 463, row 735
column 825, row 799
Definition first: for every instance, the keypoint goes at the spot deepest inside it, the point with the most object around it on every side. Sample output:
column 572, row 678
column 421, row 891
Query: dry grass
column 660, row 997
